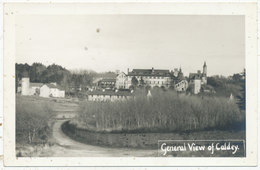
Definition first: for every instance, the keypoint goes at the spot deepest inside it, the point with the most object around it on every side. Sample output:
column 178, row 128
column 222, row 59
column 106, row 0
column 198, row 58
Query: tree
column 189, row 90
column 134, row 82
column 163, row 88
column 141, row 82
column 148, row 87
column 237, row 77
column 242, row 98
column 171, row 87
column 39, row 73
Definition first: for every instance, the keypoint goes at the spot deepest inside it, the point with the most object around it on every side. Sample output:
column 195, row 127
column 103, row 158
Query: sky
column 117, row 42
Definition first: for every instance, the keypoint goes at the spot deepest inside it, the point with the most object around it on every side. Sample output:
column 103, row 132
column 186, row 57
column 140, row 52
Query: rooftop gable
column 109, row 92
column 36, row 84
column 149, row 72
column 52, row 86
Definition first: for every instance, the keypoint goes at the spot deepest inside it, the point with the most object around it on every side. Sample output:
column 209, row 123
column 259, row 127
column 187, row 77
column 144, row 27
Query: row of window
column 107, row 82
column 149, row 77
column 155, row 82
column 118, row 96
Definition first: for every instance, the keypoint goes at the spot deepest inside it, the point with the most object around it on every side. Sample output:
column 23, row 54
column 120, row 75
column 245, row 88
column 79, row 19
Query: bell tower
column 204, row 74
column 205, row 69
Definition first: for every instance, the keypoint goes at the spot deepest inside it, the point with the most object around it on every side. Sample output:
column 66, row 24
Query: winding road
column 67, row 147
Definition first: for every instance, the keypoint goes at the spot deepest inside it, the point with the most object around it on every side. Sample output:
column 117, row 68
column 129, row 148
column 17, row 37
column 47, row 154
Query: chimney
column 152, row 70
column 127, row 70
column 199, row 72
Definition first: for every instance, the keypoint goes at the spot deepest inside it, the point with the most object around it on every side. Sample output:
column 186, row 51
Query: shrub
column 164, row 111
column 32, row 116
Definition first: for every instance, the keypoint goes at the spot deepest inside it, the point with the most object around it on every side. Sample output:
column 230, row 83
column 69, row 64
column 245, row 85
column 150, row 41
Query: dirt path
column 67, row 147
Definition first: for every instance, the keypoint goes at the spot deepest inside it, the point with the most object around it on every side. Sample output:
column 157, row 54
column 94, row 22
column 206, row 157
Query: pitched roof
column 149, row 72
column 120, row 73
column 110, row 92
column 108, row 80
column 180, row 80
column 107, row 75
column 52, row 86
column 36, row 84
column 196, row 75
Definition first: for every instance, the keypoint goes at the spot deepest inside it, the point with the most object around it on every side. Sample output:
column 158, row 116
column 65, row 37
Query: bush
column 32, row 116
column 164, row 111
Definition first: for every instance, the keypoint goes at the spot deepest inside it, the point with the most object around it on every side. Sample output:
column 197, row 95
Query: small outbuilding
column 51, row 90
column 108, row 95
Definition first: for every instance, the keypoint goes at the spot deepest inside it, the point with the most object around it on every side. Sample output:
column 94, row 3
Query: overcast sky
column 117, row 42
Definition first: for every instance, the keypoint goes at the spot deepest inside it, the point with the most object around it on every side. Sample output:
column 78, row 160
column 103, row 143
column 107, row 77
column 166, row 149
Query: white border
column 248, row 9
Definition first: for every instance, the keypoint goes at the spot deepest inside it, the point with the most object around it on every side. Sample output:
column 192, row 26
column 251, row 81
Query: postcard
column 130, row 84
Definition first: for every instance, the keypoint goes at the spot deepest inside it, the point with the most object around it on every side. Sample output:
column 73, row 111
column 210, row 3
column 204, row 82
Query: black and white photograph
column 130, row 85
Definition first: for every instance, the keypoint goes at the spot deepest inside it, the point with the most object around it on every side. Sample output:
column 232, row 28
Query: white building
column 150, row 77
column 28, row 89
column 198, row 79
column 50, row 90
column 197, row 86
column 43, row 90
column 121, row 81
column 108, row 95
column 25, row 89
column 181, row 85
column 35, row 88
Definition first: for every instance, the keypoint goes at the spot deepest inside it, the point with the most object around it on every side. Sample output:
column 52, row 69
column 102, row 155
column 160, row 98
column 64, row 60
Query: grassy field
column 33, row 115
column 164, row 112
column 35, row 121
column 189, row 117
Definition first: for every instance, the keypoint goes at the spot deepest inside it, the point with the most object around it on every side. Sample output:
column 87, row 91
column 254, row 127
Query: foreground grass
column 164, row 112
column 32, row 120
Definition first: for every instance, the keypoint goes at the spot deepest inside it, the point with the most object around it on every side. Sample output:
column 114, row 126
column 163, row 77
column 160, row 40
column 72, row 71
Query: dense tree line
column 40, row 73
column 224, row 86
column 235, row 84
column 167, row 112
